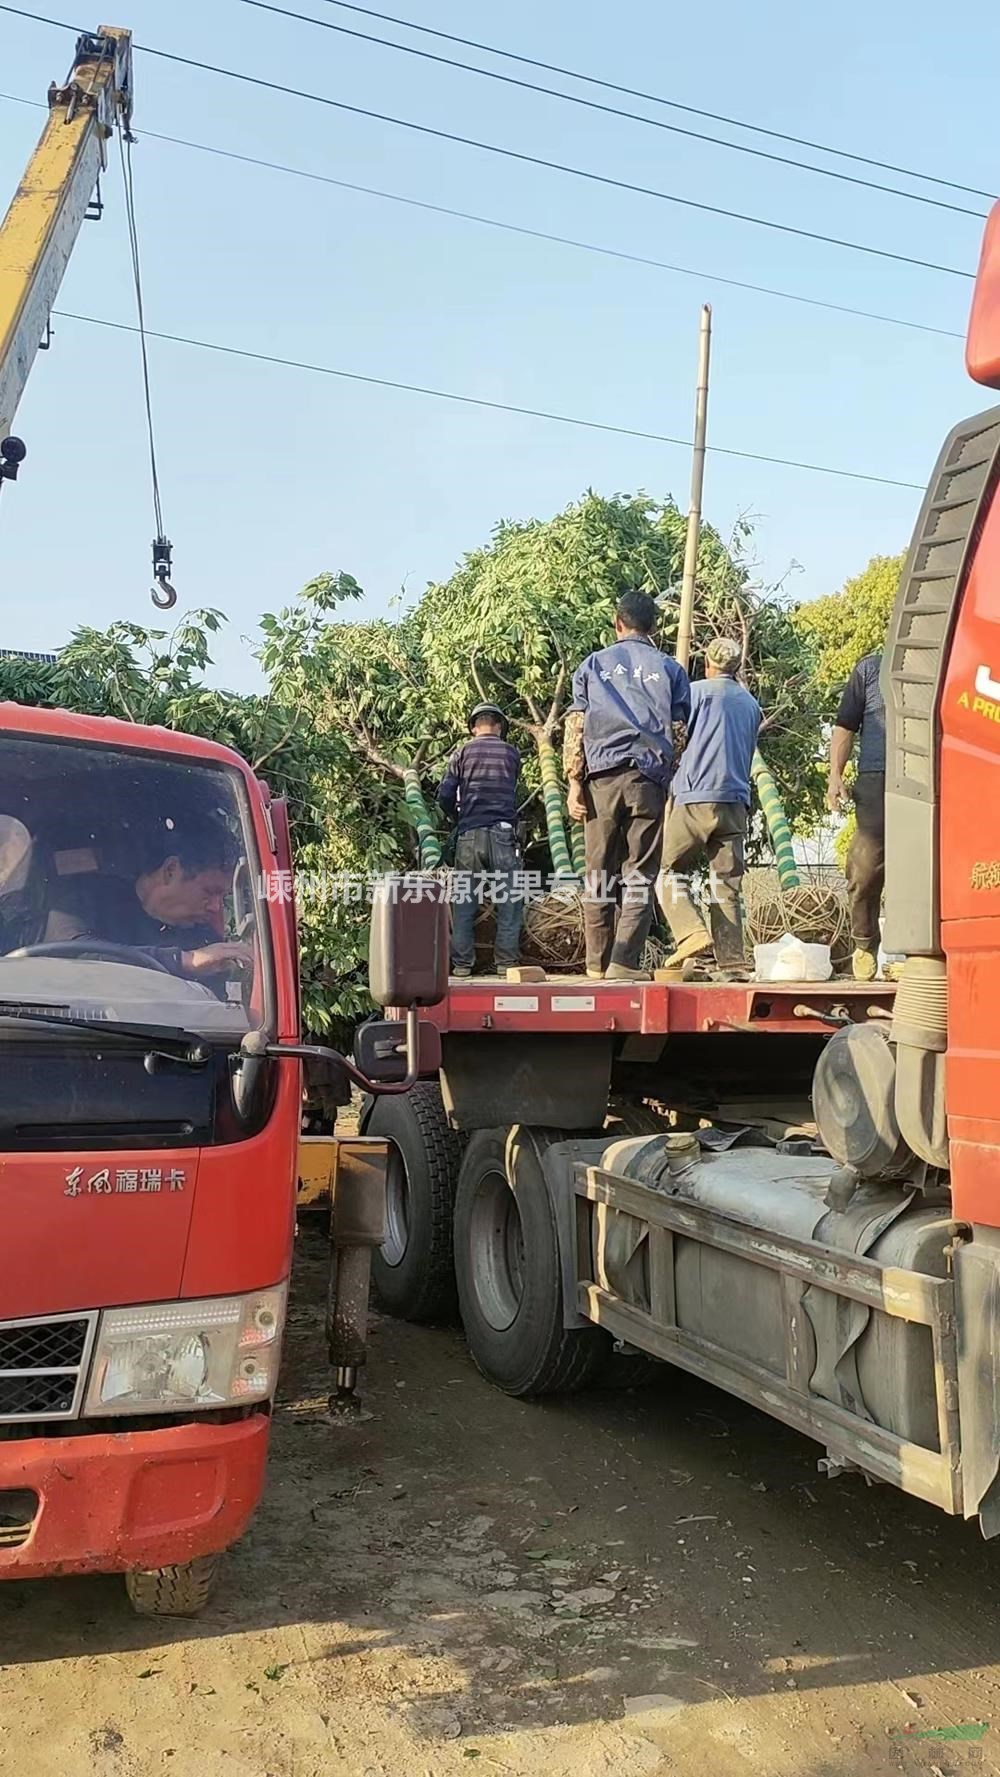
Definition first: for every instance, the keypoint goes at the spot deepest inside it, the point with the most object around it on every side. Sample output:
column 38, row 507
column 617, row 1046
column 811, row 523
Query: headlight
column 223, row 1352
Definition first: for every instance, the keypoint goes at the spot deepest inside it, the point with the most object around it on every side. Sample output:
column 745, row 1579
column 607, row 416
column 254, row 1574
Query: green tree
column 150, row 676
column 844, row 625
column 520, row 613
column 359, row 716
column 356, row 690
column 839, row 629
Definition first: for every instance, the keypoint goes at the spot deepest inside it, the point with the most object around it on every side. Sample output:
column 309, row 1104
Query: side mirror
column 408, row 955
column 380, row 1049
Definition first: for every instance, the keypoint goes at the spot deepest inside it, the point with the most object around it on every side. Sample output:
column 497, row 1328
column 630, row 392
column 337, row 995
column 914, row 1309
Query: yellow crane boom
column 50, row 205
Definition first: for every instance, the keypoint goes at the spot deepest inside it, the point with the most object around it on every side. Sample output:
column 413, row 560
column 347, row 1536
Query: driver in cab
column 172, row 911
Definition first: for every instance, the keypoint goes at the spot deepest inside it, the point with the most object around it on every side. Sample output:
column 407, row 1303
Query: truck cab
column 147, row 1160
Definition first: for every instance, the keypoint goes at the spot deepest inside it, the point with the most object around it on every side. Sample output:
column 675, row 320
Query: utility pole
column 685, row 620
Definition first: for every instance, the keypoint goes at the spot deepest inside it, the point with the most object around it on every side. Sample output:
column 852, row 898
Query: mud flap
column 541, row 1079
column 559, row 1160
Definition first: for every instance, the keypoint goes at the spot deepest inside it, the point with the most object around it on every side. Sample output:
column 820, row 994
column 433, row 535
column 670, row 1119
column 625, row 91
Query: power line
column 653, row 123
column 536, row 413
column 630, row 92
column 514, row 154
column 537, row 234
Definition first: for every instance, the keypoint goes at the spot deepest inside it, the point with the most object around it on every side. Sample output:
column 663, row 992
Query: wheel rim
column 497, row 1241
column 397, row 1210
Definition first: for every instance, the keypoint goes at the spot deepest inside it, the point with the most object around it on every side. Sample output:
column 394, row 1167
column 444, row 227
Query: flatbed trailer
column 558, row 1052
column 573, row 1003
column 791, row 1190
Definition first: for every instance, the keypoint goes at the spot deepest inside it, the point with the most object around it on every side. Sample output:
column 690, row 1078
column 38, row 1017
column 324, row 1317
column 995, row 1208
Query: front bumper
column 114, row 1501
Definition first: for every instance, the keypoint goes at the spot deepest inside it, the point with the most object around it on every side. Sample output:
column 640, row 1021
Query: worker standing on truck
column 711, row 800
column 479, row 791
column 862, row 709
column 628, row 716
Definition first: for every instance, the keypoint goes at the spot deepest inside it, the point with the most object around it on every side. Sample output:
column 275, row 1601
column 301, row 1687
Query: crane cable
column 163, row 595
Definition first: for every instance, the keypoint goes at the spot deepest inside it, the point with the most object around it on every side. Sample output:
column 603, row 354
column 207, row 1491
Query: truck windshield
column 127, row 889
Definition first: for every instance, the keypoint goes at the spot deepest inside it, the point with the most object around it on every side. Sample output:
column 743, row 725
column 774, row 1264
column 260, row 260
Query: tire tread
column 571, row 1355
column 442, row 1148
column 182, row 1590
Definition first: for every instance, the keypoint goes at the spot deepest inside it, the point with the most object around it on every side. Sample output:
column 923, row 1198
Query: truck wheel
column 181, row 1591
column 509, row 1278
column 634, row 1119
column 414, row 1271
column 625, row 1369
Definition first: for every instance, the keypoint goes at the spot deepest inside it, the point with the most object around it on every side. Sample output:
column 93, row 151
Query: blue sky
column 270, row 475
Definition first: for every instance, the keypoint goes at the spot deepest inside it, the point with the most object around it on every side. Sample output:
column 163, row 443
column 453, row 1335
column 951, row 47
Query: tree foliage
column 352, row 705
column 837, row 630
column 845, row 625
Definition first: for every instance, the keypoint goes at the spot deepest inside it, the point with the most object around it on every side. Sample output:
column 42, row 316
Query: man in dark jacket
column 630, row 706
column 172, row 911
column 711, row 799
column 862, row 709
column 479, row 792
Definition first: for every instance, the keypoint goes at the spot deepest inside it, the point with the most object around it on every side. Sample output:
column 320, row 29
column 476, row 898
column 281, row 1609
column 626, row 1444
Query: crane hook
column 163, row 595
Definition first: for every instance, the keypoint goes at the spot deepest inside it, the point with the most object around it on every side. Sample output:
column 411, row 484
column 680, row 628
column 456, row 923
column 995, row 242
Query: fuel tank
column 875, row 1365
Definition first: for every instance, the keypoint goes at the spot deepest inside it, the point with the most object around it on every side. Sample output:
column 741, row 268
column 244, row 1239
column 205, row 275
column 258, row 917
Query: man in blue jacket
column 630, row 704
column 711, row 800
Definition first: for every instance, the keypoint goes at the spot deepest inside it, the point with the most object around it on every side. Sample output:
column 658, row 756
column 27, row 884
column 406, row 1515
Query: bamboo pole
column 685, row 619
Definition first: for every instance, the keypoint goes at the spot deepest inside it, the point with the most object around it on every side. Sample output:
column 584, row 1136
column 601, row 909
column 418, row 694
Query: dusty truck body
column 576, row 1182
column 150, row 1108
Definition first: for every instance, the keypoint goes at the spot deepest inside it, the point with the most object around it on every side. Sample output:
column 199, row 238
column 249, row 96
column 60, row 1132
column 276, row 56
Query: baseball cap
column 724, row 653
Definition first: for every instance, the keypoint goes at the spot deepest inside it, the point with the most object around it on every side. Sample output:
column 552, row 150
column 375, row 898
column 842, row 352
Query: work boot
column 864, row 964
column 696, row 944
column 618, row 972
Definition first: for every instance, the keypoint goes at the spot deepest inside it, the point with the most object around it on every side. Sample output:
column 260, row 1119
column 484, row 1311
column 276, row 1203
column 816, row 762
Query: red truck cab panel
column 969, row 839
column 982, row 346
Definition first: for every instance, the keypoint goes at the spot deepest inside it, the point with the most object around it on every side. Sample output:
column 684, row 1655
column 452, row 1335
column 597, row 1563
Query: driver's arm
column 63, row 927
column 211, row 959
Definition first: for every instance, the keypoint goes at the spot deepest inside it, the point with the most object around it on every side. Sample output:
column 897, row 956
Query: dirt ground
column 612, row 1586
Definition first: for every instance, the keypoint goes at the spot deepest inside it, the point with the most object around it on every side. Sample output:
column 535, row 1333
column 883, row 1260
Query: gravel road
column 619, row 1585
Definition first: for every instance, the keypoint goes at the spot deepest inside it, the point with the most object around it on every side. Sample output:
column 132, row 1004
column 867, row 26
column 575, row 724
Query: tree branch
column 278, row 744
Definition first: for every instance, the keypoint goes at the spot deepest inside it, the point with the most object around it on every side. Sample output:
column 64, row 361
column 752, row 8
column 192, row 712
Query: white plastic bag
column 792, row 960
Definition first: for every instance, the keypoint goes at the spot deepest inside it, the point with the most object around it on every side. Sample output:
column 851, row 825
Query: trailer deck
column 573, row 1004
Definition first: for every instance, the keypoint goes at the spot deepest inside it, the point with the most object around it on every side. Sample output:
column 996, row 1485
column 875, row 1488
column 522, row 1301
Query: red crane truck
column 150, row 1107
column 150, row 1094
column 849, row 1285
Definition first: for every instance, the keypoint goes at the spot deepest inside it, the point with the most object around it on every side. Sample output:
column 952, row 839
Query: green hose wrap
column 777, row 824
column 578, row 847
column 429, row 844
column 555, row 827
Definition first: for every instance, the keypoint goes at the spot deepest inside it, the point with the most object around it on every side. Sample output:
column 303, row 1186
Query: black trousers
column 623, row 834
column 866, row 859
